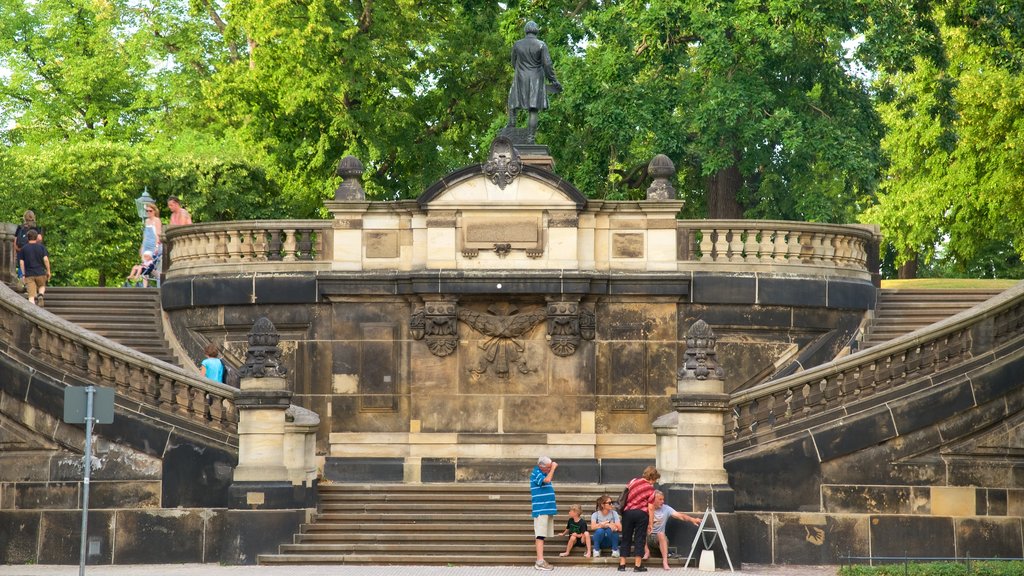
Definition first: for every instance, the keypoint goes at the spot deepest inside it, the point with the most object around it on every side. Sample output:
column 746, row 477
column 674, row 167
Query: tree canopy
column 786, row 109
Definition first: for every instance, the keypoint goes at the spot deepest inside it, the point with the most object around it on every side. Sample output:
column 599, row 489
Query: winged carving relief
column 505, row 326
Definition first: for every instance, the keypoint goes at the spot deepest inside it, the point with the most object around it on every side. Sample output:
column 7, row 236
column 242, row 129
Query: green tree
column 956, row 182
column 759, row 103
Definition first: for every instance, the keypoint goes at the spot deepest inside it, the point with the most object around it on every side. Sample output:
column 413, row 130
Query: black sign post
column 87, row 405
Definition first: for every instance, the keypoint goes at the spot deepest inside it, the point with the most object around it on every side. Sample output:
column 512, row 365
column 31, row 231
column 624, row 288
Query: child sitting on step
column 577, row 527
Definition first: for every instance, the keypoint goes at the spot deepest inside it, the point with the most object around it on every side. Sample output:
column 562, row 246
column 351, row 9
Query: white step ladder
column 704, row 532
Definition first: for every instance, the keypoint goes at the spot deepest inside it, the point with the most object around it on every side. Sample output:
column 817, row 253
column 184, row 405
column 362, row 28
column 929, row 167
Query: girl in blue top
column 213, row 367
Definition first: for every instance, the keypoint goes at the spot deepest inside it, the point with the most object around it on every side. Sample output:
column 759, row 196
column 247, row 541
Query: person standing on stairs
column 34, row 263
column 542, row 498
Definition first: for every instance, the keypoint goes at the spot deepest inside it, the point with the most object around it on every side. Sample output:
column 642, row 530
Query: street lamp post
column 141, row 201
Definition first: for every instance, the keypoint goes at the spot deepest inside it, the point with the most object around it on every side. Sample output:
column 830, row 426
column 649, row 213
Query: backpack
column 229, row 375
column 620, row 504
column 21, row 234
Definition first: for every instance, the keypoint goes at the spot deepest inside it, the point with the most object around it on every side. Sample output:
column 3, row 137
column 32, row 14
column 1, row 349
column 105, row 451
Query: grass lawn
column 950, row 283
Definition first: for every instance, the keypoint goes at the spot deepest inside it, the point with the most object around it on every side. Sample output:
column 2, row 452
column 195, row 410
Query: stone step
column 127, row 316
column 431, row 559
column 483, row 548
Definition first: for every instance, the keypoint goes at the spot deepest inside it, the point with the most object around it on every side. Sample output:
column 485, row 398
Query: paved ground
column 217, row 570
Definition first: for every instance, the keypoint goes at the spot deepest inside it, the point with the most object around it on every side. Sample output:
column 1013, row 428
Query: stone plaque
column 381, row 243
column 484, row 233
column 629, row 245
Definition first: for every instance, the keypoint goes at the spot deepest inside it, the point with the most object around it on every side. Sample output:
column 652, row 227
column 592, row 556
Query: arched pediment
column 473, row 186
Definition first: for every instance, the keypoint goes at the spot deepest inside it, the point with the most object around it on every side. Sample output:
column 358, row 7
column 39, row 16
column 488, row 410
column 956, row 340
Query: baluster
column 799, row 248
column 751, row 247
column 259, row 245
column 766, row 249
column 289, row 246
column 824, row 251
column 234, row 245
column 138, row 379
column 721, row 249
column 781, row 248
column 830, row 391
column 92, row 364
column 217, row 410
column 753, row 416
column 153, row 383
column 179, row 397
column 106, row 371
column 274, row 247
column 706, row 245
column 165, row 400
column 304, row 246
column 735, row 245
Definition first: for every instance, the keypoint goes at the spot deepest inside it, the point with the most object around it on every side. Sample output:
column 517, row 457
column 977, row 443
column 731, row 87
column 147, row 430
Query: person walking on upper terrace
column 28, row 222
column 151, row 232
column 34, row 262
column 179, row 216
column 542, row 499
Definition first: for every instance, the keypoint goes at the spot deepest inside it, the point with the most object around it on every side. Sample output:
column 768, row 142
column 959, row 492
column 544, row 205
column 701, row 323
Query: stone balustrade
column 875, row 375
column 7, row 268
column 68, row 353
column 248, row 246
column 778, row 246
column 767, row 246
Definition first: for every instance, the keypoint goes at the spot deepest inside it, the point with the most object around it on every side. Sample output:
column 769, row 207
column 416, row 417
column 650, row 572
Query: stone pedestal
column 690, row 440
column 276, row 467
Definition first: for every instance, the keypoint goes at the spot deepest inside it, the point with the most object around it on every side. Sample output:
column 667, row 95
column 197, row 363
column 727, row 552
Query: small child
column 577, row 527
column 142, row 271
column 212, row 367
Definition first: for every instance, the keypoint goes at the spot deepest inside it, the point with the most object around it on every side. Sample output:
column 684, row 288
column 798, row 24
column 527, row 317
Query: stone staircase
column 901, row 311
column 129, row 316
column 426, row 524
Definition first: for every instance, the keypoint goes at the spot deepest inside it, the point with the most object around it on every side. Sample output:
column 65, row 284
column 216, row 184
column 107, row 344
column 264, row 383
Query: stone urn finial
column 351, row 170
column 661, row 168
column 700, row 361
column 263, row 358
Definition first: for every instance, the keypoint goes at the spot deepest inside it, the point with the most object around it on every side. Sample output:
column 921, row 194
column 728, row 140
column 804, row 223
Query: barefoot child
column 577, row 527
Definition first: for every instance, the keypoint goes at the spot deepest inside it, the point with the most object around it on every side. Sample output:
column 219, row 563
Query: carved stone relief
column 505, row 326
column 503, row 163
column 566, row 322
column 437, row 323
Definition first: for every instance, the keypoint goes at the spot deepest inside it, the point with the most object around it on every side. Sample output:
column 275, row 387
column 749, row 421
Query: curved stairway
column 463, row 524
column 129, row 316
column 902, row 310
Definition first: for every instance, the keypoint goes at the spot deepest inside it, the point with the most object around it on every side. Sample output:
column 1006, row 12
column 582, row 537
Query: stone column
column 690, row 440
column 262, row 478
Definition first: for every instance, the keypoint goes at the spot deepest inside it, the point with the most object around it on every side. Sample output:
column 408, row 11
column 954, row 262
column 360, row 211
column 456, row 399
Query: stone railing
column 778, row 246
column 7, row 263
column 159, row 390
column 248, row 246
column 861, row 380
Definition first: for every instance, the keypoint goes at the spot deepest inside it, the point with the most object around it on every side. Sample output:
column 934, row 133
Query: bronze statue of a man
column 532, row 65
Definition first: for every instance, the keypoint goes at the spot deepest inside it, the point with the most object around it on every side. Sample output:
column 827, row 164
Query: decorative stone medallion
column 503, row 163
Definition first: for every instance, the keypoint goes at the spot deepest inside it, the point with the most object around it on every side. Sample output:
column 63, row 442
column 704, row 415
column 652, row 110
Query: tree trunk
column 908, row 270
column 723, row 188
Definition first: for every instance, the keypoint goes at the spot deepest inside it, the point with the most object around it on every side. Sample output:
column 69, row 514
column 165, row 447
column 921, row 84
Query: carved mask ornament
column 437, row 323
column 568, row 322
column 700, row 361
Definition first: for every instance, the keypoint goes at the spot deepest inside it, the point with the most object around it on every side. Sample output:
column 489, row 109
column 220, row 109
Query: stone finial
column 661, row 168
column 351, row 170
column 263, row 358
column 700, row 361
